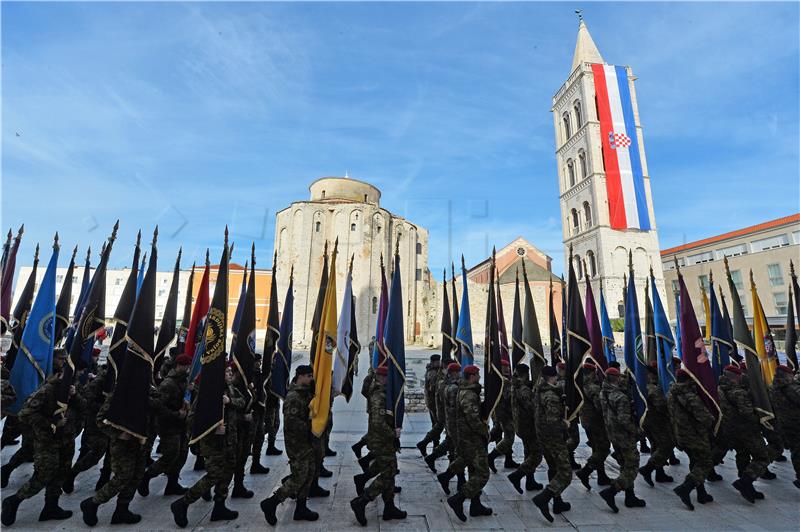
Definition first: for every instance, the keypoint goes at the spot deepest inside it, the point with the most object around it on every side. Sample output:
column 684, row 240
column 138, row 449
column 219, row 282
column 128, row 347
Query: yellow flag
column 762, row 336
column 323, row 359
column 707, row 310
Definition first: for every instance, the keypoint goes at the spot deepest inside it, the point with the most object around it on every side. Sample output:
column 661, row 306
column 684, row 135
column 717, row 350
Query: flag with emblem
column 197, row 325
column 282, row 360
column 244, row 351
column 320, row 406
column 464, row 330
column 762, row 336
column 394, row 344
column 341, row 358
column 21, row 311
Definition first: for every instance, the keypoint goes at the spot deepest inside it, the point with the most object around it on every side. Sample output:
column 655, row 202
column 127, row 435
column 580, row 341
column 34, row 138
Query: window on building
column 775, row 276
column 74, row 279
column 578, row 266
column 378, row 230
column 161, row 292
column 582, row 161
column 567, row 127
column 578, row 114
column 418, row 275
column 796, row 236
column 736, row 277
column 576, row 223
column 703, row 280
column 591, row 264
column 352, row 227
column 317, row 226
column 323, row 194
column 374, row 305
column 419, row 248
column 59, row 278
column 732, row 251
column 117, row 281
column 698, row 258
column 571, row 172
column 781, row 303
column 365, row 198
column 159, row 311
column 772, row 242
column 620, row 309
column 587, row 213
column 676, row 287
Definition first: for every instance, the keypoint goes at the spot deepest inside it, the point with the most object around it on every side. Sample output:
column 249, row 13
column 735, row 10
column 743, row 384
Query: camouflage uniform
column 446, row 446
column 434, row 378
column 381, row 444
column 457, row 462
column 272, row 418
column 622, row 431
column 523, row 408
column 657, row 425
column 741, row 428
column 8, row 395
column 473, row 437
column 551, row 429
column 691, row 423
column 573, row 433
column 171, row 421
column 785, row 398
column 505, row 418
column 297, row 434
column 94, row 442
column 593, row 423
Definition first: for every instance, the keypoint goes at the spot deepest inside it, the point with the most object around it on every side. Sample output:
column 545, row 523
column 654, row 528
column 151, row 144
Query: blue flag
column 678, row 326
column 282, row 360
column 635, row 362
column 721, row 336
column 85, row 283
column 237, row 317
column 395, row 347
column 464, row 332
column 36, row 347
column 378, row 354
column 664, row 341
column 608, row 332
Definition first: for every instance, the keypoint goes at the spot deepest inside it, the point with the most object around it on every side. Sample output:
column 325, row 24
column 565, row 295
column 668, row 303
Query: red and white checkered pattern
column 619, row 140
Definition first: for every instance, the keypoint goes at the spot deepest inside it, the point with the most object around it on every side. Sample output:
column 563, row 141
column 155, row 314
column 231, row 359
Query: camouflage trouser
column 51, row 460
column 272, row 416
column 533, row 455
column 220, row 463
column 127, row 468
column 445, row 447
column 628, row 458
column 173, row 448
column 474, row 456
column 386, row 465
column 257, row 432
column 774, row 443
column 661, row 445
column 244, row 443
column 25, row 452
column 94, row 444
column 573, row 436
column 700, row 463
column 559, row 470
column 792, row 439
column 752, row 448
column 326, row 436
column 601, row 447
column 436, row 431
column 506, row 445
column 302, row 471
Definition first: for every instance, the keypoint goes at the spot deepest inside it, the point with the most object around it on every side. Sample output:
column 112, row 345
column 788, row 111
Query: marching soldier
column 360, row 444
column 505, row 419
column 457, row 463
column 452, row 376
column 258, row 426
column 785, row 397
column 657, row 428
column 523, row 409
column 433, row 376
column 594, row 425
column 9, row 395
column 573, row 434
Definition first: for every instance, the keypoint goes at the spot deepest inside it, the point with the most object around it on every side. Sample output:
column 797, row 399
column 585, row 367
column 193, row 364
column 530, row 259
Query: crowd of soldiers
column 532, row 408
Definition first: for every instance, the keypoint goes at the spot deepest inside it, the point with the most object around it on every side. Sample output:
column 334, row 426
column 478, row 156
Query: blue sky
column 198, row 115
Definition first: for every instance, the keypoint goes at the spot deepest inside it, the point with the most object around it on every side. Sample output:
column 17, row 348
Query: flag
column 762, row 336
column 194, row 336
column 721, row 337
column 726, row 317
column 341, row 361
column 183, row 330
column 627, row 202
column 64, row 300
column 394, row 345
column 678, row 341
column 594, row 328
column 91, row 320
column 208, row 407
column 282, row 360
column 454, row 315
column 36, row 361
column 531, row 336
column 564, row 346
column 21, row 311
column 378, row 353
column 706, row 311
column 649, row 338
column 140, row 276
column 447, row 324
column 166, row 332
column 492, row 373
column 273, row 329
column 608, row 332
column 555, row 335
column 635, row 361
column 85, row 283
column 244, row 350
column 325, row 333
column 127, row 301
column 517, row 347
column 695, row 358
column 7, row 284
column 464, row 329
column 355, row 348
column 796, row 290
column 130, row 404
column 237, row 316
column 315, row 321
column 791, row 336
column 664, row 340
column 501, row 327
column 6, row 250
column 577, row 344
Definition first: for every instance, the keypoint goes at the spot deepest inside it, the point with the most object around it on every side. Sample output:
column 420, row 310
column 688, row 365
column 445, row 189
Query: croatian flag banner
column 624, row 177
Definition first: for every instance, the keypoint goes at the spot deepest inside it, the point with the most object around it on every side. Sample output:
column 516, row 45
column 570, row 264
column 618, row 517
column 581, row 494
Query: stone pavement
column 425, row 502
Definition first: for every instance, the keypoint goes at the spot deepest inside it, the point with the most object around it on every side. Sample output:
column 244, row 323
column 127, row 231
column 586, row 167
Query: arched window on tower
column 587, row 214
column 582, row 163
column 578, row 267
column 567, row 126
column 576, row 222
column 591, row 265
column 578, row 114
column 571, row 172
column 317, row 226
column 374, row 305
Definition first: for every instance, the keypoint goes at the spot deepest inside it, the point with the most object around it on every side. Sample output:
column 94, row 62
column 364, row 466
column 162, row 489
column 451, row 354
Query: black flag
column 64, row 301
column 649, row 327
column 555, row 335
column 578, row 345
column 244, row 355
column 166, row 333
column 447, row 324
column 492, row 367
column 208, row 407
column 130, row 403
column 183, row 331
column 323, row 285
column 517, row 347
column 21, row 312
column 791, row 332
column 531, row 337
column 454, row 314
column 273, row 331
column 355, row 348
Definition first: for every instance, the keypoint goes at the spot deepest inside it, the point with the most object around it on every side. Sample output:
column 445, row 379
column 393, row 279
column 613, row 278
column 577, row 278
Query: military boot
column 178, row 509
column 684, row 491
column 5, row 475
column 89, row 511
column 461, row 479
column 575, row 465
column 52, row 510
column 542, row 501
column 123, row 516
column 602, row 477
column 105, row 476
column 174, row 487
column 661, row 475
column 647, row 471
column 364, row 462
column 268, row 506
column 456, row 502
column 515, row 478
column 477, row 509
column 357, row 447
column 608, row 495
column 302, row 513
column 673, row 460
column 317, row 491
column 560, row 505
column 632, row 501
column 713, row 476
column 69, row 483
column 509, row 462
column 422, row 445
column 329, row 451
column 9, row 512
column 360, row 481
column 744, row 485
column 271, row 449
column 768, row 475
column 324, row 473
column 430, row 460
column 240, row 491
column 583, row 475
column 256, row 468
column 531, row 484
column 492, row 457
column 390, row 511
column 222, row 512
column 702, row 495
column 144, row 484
column 359, row 506
column 444, row 481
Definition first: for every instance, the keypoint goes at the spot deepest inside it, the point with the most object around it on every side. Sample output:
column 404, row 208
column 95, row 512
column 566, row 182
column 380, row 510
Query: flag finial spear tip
column 9, row 233
column 325, row 248
column 791, row 267
column 291, row 273
column 208, row 261
column 155, row 236
column 55, row 241
column 21, row 230
column 651, row 270
column 462, row 262
column 74, row 252
column 36, row 254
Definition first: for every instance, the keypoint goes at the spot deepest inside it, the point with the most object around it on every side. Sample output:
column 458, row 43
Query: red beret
column 786, row 369
column 95, row 351
column 453, row 367
column 733, row 369
column 589, row 365
column 472, row 369
column 561, row 365
column 183, row 360
column 382, row 370
column 612, row 371
column 743, row 366
column 504, row 362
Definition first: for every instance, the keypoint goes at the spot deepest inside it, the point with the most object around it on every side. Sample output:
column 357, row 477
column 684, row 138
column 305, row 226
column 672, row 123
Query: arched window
column 576, row 222
column 567, row 127
column 374, row 305
column 620, row 309
column 582, row 162
column 323, row 194
column 352, row 227
column 578, row 267
column 578, row 114
column 571, row 172
column 591, row 265
column 317, row 226
column 587, row 214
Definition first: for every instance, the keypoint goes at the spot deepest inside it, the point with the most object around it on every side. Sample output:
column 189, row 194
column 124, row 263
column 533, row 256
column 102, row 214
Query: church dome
column 338, row 189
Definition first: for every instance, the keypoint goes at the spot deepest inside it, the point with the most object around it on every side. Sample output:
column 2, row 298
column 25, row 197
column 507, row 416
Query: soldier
column 657, row 428
column 692, row 425
column 473, row 437
column 433, row 377
column 523, row 410
column 8, row 393
column 447, row 446
column 358, row 446
column 573, row 434
column 258, row 427
column 457, row 463
column 244, row 442
column 742, row 431
column 551, row 428
column 505, row 419
column 383, row 443
column 219, row 451
column 785, row 398
column 53, row 447
column 297, row 434
column 623, row 434
column 594, row 425
column 172, row 410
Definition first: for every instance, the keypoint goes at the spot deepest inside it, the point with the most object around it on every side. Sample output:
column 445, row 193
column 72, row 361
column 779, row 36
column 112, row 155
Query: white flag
column 343, row 338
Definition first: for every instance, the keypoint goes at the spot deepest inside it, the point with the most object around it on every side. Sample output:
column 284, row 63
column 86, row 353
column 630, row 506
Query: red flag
column 199, row 314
